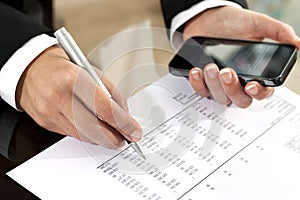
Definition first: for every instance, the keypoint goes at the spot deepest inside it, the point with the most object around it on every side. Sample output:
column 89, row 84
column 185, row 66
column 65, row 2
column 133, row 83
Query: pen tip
column 143, row 156
column 138, row 149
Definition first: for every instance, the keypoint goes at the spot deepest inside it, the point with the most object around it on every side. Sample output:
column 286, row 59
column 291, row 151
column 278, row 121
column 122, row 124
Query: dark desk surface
column 20, row 139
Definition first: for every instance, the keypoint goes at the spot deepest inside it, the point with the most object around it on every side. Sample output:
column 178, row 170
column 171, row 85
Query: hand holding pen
column 113, row 116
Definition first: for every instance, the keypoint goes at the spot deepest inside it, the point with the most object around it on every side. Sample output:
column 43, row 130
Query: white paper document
column 195, row 149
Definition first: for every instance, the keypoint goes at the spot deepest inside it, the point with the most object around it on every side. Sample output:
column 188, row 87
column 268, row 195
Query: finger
column 257, row 91
column 211, row 75
column 76, row 120
column 54, row 120
column 234, row 89
column 197, row 82
column 90, row 129
column 65, row 126
column 110, row 112
column 117, row 95
column 99, row 103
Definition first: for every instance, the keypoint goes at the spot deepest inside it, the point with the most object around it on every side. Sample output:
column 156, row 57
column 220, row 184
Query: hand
column 62, row 97
column 231, row 22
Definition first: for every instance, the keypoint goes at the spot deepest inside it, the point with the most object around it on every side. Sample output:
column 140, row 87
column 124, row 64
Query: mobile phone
column 269, row 63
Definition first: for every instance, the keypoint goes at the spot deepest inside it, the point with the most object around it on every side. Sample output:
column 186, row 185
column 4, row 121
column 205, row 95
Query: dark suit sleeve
column 171, row 8
column 9, row 118
column 15, row 30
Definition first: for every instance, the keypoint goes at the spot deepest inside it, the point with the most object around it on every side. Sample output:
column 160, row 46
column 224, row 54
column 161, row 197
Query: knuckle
column 58, row 89
column 42, row 109
column 51, row 94
column 69, row 79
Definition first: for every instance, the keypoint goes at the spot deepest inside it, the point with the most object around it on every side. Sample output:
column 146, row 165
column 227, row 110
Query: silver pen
column 67, row 42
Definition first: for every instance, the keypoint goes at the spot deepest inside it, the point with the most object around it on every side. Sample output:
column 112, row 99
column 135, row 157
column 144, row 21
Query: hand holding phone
column 266, row 62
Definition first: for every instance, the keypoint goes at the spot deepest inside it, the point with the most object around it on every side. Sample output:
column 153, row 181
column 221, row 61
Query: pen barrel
column 76, row 55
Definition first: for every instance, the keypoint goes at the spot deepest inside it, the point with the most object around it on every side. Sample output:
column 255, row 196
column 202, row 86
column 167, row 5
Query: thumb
column 276, row 30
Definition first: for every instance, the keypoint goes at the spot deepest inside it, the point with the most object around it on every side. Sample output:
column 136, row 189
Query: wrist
column 33, row 71
column 198, row 25
column 13, row 69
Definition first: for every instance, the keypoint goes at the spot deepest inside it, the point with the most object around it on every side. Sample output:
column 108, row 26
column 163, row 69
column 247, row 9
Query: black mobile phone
column 266, row 62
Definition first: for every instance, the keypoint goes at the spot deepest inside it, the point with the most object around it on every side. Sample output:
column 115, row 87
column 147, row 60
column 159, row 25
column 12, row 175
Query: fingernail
column 252, row 89
column 226, row 76
column 136, row 135
column 212, row 71
column 196, row 74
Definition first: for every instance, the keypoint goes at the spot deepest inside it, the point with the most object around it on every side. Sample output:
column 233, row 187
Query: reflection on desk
column 20, row 139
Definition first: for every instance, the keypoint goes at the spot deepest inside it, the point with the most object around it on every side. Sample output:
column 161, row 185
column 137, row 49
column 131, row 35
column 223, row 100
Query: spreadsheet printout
column 194, row 148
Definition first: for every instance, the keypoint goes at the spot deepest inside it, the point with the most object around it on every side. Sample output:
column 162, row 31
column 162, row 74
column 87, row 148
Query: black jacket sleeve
column 171, row 8
column 15, row 30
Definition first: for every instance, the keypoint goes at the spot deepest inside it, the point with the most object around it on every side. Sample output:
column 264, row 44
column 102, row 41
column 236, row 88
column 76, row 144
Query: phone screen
column 248, row 59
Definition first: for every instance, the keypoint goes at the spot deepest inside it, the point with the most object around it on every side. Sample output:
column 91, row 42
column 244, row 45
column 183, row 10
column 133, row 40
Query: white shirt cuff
column 181, row 18
column 17, row 63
